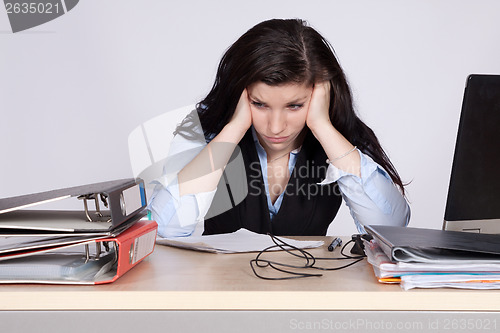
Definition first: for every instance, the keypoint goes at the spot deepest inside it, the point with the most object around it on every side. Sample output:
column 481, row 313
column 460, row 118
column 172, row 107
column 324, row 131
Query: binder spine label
column 132, row 200
column 143, row 246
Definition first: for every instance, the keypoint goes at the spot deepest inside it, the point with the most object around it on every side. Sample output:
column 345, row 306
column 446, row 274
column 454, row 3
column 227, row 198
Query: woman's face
column 279, row 113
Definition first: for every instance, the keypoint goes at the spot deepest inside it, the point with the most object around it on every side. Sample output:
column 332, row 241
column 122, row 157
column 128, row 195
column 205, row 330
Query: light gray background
column 73, row 89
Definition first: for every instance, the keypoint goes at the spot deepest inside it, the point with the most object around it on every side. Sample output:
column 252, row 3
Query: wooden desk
column 176, row 279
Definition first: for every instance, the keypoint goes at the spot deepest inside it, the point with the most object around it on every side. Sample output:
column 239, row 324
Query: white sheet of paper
column 237, row 242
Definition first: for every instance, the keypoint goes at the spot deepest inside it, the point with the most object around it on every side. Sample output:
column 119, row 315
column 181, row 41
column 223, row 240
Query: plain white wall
column 73, row 89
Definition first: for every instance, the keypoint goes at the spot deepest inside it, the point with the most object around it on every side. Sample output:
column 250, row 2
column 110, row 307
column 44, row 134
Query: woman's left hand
column 318, row 113
column 333, row 142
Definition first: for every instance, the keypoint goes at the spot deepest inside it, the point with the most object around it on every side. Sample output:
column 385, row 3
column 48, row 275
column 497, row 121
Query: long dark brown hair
column 287, row 51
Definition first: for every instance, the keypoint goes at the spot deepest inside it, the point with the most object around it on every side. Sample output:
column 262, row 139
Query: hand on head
column 242, row 117
column 318, row 112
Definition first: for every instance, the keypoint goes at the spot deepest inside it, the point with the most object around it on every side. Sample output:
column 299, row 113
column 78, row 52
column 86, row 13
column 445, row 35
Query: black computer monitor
column 473, row 202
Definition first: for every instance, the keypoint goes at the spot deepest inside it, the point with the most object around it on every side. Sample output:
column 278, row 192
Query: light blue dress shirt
column 273, row 208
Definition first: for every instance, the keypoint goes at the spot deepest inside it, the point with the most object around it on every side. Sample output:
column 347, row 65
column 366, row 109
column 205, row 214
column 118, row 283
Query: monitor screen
column 473, row 202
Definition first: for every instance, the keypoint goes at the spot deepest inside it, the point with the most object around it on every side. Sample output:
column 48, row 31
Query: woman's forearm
column 203, row 173
column 339, row 150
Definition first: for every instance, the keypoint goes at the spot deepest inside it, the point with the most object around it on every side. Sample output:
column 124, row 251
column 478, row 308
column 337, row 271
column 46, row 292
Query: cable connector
column 358, row 247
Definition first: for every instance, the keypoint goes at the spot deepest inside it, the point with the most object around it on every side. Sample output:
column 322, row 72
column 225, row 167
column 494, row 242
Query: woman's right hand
column 242, row 117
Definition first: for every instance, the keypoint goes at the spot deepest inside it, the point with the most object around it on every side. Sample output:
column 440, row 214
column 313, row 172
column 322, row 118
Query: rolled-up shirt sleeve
column 372, row 198
column 178, row 216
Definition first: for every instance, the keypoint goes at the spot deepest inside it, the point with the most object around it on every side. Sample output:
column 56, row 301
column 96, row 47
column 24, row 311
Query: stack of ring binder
column 75, row 247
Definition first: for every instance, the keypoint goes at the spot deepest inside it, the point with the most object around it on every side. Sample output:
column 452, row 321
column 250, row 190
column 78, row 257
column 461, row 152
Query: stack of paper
column 443, row 271
column 236, row 242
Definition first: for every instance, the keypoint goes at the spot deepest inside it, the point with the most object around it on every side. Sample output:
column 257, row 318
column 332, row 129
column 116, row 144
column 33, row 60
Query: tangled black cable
column 310, row 261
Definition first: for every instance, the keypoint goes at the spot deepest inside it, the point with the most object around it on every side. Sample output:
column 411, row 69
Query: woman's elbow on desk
column 399, row 216
column 175, row 218
column 377, row 202
column 169, row 225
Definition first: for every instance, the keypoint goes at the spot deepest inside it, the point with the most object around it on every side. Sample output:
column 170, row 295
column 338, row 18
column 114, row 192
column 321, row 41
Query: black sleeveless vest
column 307, row 208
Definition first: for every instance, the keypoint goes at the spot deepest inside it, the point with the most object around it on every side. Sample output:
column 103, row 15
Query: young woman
column 281, row 106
